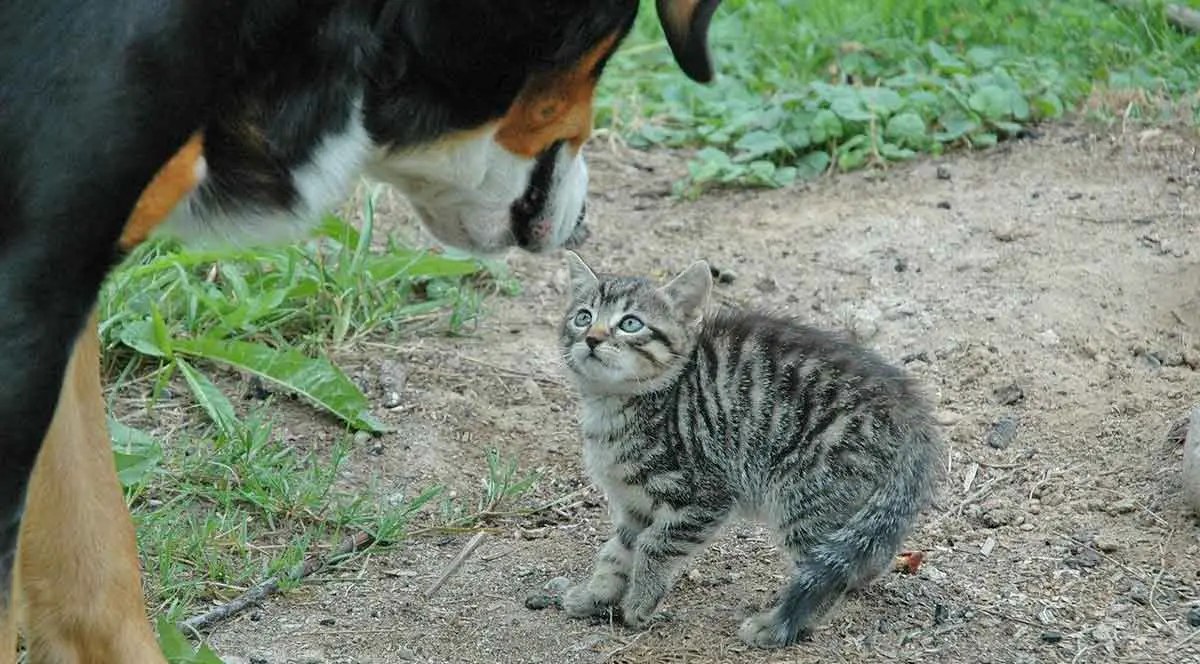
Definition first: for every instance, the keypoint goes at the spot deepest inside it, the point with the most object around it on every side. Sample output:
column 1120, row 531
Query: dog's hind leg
column 80, row 590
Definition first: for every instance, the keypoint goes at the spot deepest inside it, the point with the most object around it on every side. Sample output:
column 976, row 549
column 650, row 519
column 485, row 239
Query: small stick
column 462, row 556
column 261, row 591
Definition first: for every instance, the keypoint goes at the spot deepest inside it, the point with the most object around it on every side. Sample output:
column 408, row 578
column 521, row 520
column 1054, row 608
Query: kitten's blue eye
column 631, row 324
column 583, row 318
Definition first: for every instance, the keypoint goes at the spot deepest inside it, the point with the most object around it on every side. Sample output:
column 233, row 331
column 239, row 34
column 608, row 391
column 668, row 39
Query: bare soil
column 1046, row 294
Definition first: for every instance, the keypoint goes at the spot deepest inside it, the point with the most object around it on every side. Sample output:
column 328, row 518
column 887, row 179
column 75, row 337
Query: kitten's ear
column 690, row 290
column 581, row 276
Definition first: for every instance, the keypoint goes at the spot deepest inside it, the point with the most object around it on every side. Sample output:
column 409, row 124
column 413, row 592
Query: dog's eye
column 631, row 324
column 583, row 318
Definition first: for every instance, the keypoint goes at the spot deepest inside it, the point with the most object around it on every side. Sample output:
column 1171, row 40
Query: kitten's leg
column 604, row 589
column 831, row 559
column 661, row 551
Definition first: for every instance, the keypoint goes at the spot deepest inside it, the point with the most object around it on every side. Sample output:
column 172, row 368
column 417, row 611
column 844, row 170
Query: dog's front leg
column 79, row 573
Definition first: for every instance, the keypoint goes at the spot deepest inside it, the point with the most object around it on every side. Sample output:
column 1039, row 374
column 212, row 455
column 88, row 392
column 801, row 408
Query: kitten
column 689, row 417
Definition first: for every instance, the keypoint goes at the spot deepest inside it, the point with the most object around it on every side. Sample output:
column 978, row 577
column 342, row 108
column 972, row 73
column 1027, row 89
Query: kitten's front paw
column 766, row 630
column 638, row 610
column 587, row 600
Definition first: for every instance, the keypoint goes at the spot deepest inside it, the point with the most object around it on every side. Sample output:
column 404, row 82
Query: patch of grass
column 226, row 501
column 808, row 86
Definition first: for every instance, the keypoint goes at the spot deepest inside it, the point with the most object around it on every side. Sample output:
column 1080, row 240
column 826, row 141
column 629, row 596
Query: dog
column 242, row 121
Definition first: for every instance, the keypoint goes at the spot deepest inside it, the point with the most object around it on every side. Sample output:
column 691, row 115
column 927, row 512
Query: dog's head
column 480, row 110
column 476, row 110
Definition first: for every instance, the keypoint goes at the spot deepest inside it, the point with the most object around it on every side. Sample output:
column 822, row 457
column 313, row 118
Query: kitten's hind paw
column 766, row 630
column 583, row 602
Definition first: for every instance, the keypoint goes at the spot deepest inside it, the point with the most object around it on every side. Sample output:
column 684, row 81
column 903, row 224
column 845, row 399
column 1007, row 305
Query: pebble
column 1106, row 545
column 1123, row 506
column 1009, row 394
column 539, row 601
column 1193, row 616
column 1003, row 432
column 1052, row 636
column 943, row 172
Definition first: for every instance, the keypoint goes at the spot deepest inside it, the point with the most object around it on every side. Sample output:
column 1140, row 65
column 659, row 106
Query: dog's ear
column 685, row 23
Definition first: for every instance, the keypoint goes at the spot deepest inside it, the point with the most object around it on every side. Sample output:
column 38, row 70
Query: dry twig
column 261, row 591
column 462, row 556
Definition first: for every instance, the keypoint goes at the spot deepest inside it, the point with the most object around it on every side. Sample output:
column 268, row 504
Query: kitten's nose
column 592, row 341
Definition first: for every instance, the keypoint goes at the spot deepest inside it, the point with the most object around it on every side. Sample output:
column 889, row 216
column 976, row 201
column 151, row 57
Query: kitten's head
column 627, row 336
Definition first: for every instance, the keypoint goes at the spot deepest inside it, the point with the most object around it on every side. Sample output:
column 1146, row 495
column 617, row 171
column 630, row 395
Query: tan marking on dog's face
column 555, row 106
column 174, row 181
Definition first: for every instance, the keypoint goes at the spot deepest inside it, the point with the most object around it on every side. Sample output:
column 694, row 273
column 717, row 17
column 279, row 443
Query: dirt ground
column 1045, row 292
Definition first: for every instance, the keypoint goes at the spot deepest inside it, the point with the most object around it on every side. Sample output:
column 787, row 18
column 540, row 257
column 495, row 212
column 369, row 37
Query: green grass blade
column 214, row 402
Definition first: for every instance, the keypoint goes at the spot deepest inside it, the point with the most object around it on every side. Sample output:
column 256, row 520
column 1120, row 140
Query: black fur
column 96, row 95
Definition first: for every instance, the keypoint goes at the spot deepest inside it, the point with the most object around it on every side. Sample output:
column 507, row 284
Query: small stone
column 1003, row 432
column 988, row 546
column 1193, row 616
column 256, row 616
column 1139, row 593
column 766, row 285
column 361, row 437
column 1123, row 506
column 558, row 585
column 327, row 622
column 391, row 399
column 940, row 614
column 1106, row 545
column 539, row 601
column 258, row 660
column 1052, row 636
column 1009, row 394
column 1048, row 338
column 932, row 573
column 943, row 172
column 943, row 205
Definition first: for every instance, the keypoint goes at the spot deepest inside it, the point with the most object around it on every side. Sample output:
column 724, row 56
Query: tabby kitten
column 690, row 417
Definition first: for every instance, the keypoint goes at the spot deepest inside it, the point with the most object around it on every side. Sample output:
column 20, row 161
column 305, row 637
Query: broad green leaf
column 334, row 228
column 883, row 101
column 417, row 264
column 139, row 335
column 992, row 102
column 907, row 129
column 956, row 125
column 214, row 402
column 1048, row 105
column 850, row 109
column 315, row 378
column 758, row 144
column 812, row 164
column 983, row 140
column 895, row 152
column 825, row 126
column 137, row 453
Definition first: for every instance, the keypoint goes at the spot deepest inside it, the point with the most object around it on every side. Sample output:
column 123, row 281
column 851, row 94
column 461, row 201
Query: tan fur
column 77, row 585
column 78, row 578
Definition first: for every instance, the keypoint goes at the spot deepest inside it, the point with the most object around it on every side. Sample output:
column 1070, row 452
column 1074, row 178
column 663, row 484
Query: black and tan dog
column 243, row 120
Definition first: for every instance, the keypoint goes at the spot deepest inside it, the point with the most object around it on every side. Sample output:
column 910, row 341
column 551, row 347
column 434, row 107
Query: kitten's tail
column 853, row 555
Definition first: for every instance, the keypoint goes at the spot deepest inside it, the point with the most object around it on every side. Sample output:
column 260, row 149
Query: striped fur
column 692, row 417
